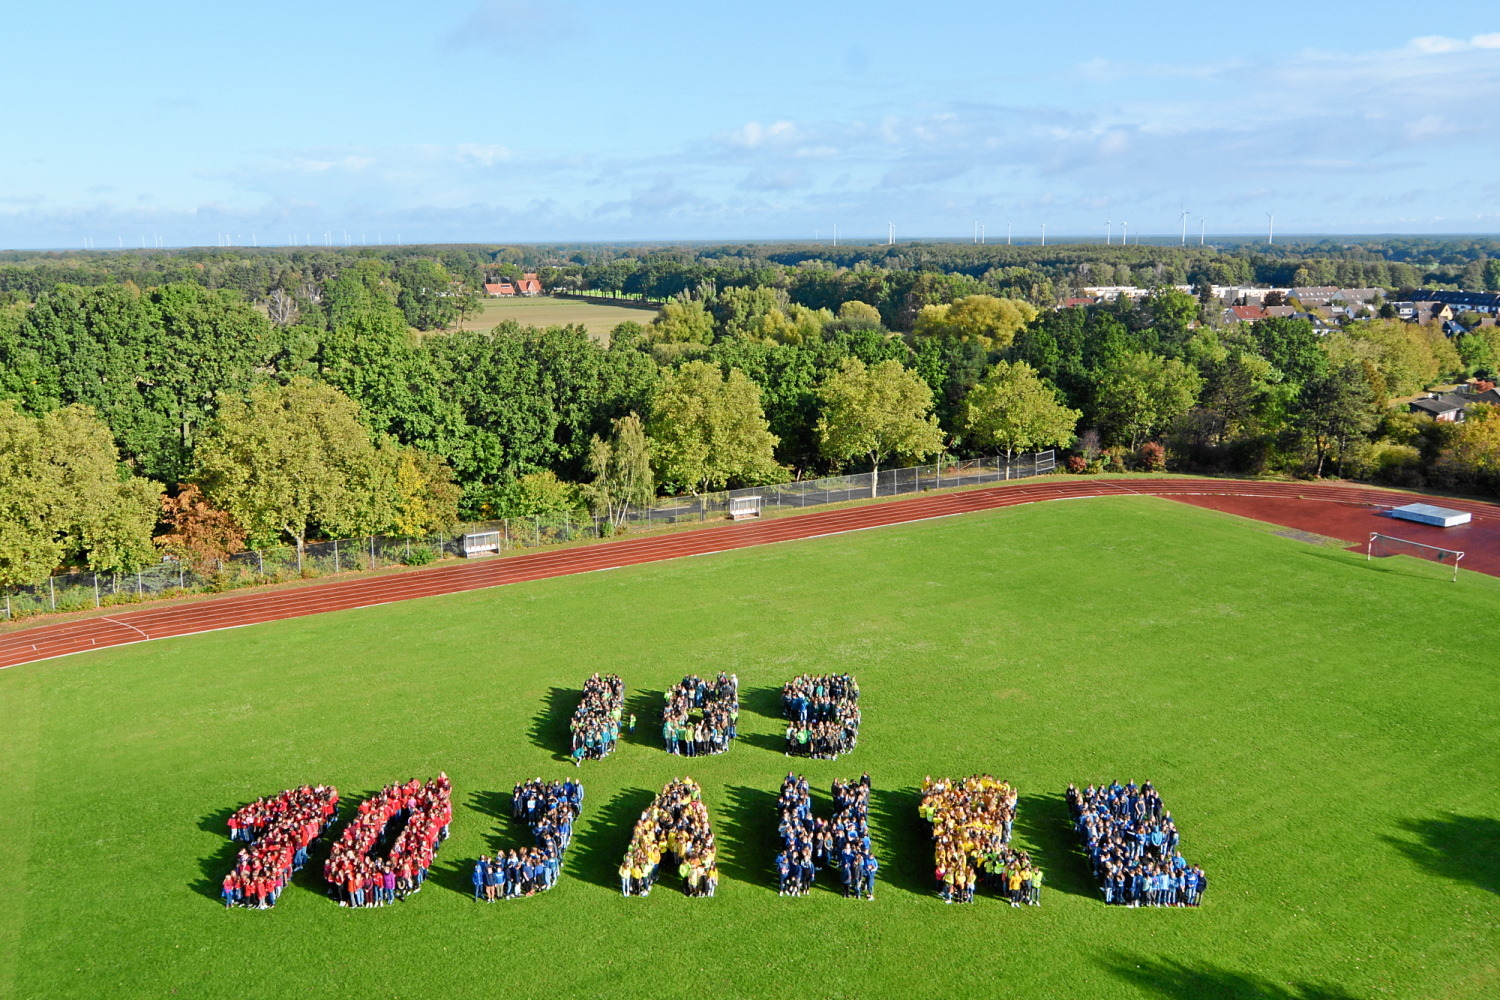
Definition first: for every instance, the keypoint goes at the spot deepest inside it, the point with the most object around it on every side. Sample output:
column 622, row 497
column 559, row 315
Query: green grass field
column 1324, row 730
column 599, row 318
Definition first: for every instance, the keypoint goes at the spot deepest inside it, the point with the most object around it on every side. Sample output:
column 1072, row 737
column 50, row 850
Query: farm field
column 598, row 317
column 1324, row 731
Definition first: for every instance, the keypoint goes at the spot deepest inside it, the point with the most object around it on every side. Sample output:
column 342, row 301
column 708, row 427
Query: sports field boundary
column 48, row 641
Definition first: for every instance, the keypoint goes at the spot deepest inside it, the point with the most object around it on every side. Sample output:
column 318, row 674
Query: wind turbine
column 835, row 234
column 981, row 234
column 1109, row 232
column 1202, row 229
column 1270, row 228
column 976, row 231
column 1044, row 234
column 890, row 233
column 1124, row 233
column 1184, row 226
column 1007, row 234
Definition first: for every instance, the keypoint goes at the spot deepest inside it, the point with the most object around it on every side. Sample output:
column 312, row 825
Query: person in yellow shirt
column 1014, row 884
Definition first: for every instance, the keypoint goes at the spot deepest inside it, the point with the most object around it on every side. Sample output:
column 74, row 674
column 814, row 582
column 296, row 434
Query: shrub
column 1153, row 457
column 1398, row 465
column 1077, row 465
column 422, row 555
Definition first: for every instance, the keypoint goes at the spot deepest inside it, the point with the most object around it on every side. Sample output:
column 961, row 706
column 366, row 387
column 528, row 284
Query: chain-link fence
column 77, row 591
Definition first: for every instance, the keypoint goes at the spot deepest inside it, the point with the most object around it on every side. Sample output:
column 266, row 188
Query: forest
column 197, row 401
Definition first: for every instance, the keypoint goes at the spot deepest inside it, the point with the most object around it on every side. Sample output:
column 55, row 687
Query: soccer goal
column 1389, row 545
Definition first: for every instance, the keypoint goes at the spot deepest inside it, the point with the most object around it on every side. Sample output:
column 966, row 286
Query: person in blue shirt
column 481, row 876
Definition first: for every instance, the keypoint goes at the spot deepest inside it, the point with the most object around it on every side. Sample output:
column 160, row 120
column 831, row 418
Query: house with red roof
column 1245, row 314
column 529, row 284
column 499, row 289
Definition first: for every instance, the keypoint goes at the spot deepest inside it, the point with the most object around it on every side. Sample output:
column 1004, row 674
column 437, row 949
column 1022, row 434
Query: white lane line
column 132, row 628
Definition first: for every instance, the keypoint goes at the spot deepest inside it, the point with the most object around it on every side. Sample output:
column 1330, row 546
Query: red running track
column 1349, row 513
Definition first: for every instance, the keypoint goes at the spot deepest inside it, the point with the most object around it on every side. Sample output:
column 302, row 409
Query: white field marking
column 124, row 625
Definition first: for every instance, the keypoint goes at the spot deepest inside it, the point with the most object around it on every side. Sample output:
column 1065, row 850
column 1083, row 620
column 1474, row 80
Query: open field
column 598, row 317
column 1324, row 731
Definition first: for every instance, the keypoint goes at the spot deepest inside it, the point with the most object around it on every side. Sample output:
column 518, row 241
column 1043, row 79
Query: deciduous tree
column 1140, row 394
column 621, row 470
column 1012, row 410
column 708, row 431
column 199, row 534
column 985, row 320
column 1335, row 408
column 63, row 497
column 288, row 459
column 877, row 413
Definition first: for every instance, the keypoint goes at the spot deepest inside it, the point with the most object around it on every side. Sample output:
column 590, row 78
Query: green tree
column 1139, row 394
column 539, row 494
column 1170, row 312
column 708, row 431
column 63, row 498
column 149, row 364
column 990, row 322
column 856, row 313
column 877, row 413
column 421, row 496
column 1011, row 409
column 621, row 470
column 683, row 322
column 287, row 460
column 429, row 298
column 1335, row 408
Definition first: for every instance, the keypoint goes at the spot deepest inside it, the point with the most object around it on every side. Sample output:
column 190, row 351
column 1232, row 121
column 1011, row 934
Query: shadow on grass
column 646, row 707
column 1462, row 848
column 213, row 868
column 549, row 730
column 762, row 701
column 1180, row 981
column 747, row 836
column 774, row 742
column 1404, row 566
column 456, row 873
column 1043, row 826
column 596, row 852
column 903, row 842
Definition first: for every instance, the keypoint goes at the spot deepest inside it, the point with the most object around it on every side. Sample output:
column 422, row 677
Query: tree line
column 342, row 419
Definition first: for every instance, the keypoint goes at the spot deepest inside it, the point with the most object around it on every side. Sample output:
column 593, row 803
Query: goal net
column 1389, row 545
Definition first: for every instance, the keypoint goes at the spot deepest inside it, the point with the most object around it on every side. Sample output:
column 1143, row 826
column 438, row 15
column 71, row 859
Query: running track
column 1349, row 513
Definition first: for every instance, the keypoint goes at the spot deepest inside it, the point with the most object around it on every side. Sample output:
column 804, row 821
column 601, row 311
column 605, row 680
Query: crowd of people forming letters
column 1131, row 842
column 549, row 809
column 1128, row 834
column 356, row 876
column 674, row 828
column 278, row 832
column 842, row 843
column 596, row 721
column 701, row 718
column 971, row 825
column 822, row 714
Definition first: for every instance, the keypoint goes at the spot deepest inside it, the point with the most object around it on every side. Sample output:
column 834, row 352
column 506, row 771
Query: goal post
column 1389, row 545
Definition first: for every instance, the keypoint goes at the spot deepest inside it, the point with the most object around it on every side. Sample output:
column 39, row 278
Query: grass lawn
column 1324, row 730
column 598, row 317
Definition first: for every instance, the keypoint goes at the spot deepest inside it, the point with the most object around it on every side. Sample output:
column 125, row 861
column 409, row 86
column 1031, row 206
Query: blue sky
column 535, row 120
